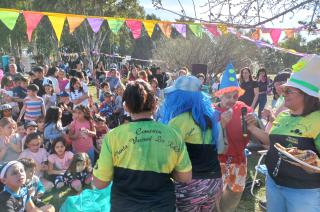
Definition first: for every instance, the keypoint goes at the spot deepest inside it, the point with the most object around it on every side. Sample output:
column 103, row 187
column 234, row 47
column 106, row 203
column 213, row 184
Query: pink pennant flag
column 213, row 29
column 275, row 35
column 32, row 20
column 135, row 28
column 182, row 29
column 95, row 24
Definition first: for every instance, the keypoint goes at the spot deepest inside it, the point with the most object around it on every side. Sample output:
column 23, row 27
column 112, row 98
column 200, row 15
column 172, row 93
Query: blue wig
column 198, row 103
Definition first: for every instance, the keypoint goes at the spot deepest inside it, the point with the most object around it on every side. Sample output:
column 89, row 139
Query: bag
column 89, row 200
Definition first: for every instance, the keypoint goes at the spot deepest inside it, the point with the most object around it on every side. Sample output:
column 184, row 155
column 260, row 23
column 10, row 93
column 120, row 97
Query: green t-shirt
column 139, row 157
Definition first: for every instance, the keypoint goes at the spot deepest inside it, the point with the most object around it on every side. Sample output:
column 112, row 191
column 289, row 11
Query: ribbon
column 135, row 28
column 32, row 20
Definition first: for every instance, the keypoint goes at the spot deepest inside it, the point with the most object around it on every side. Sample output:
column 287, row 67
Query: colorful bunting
column 32, row 20
column 196, row 29
column 9, row 18
column 223, row 28
column 95, row 24
column 165, row 28
column 135, row 27
column 57, row 22
column 149, row 26
column 275, row 35
column 74, row 22
column 115, row 24
column 181, row 28
column 289, row 33
column 213, row 29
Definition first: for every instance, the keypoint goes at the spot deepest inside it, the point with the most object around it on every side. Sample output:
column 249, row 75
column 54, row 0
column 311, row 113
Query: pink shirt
column 84, row 142
column 39, row 157
column 62, row 84
column 61, row 163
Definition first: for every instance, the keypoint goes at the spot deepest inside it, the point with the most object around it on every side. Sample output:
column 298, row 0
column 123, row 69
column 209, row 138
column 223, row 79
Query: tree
column 313, row 47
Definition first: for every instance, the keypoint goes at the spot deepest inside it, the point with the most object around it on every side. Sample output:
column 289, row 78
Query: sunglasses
column 287, row 91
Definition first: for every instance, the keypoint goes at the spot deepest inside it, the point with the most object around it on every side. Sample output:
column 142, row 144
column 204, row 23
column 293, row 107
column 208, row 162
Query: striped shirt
column 33, row 108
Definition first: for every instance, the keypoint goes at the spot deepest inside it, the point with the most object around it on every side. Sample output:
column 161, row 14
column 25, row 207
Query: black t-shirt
column 13, row 203
column 263, row 87
column 248, row 96
column 66, row 118
column 39, row 83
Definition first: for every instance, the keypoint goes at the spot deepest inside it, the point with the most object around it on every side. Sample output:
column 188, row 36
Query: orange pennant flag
column 165, row 28
column 57, row 22
column 74, row 22
column 289, row 33
column 149, row 26
column 256, row 35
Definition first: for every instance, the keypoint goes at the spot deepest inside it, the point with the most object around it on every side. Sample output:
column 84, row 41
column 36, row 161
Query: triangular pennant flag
column 165, row 28
column 196, row 29
column 32, row 20
column 223, row 28
column 275, row 35
column 74, row 22
column 115, row 24
column 256, row 35
column 289, row 33
column 9, row 18
column 95, row 24
column 213, row 29
column 182, row 29
column 265, row 30
column 135, row 28
column 149, row 26
column 57, row 22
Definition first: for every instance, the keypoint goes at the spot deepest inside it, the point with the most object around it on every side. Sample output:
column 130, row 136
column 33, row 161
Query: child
column 105, row 88
column 40, row 155
column 33, row 183
column 82, row 131
column 107, row 110
column 20, row 91
column 79, row 172
column 50, row 98
column 53, row 126
column 62, row 80
column 14, row 196
column 30, row 127
column 78, row 95
column 9, row 149
column 101, row 130
column 33, row 105
column 5, row 111
column 118, row 101
column 59, row 161
column 67, row 106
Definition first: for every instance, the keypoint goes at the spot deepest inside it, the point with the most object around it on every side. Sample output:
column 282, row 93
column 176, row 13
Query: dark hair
column 33, row 87
column 260, row 71
column 54, row 143
column 241, row 74
column 52, row 115
column 80, row 156
column 6, row 80
column 31, row 137
column 28, row 163
column 310, row 104
column 79, row 75
column 73, row 81
column 138, row 97
column 20, row 123
column 86, row 112
column 105, row 83
column 38, row 69
column 52, row 71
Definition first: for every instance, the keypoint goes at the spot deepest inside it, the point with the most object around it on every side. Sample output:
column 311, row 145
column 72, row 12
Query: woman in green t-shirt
column 141, row 157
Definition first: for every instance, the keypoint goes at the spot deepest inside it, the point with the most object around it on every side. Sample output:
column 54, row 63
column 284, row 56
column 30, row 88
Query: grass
column 248, row 203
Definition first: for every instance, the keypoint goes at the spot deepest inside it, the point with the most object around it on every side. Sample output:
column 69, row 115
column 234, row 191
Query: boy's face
column 31, row 93
column 31, row 129
column 107, row 99
column 15, row 177
column 106, row 88
column 7, row 113
column 64, row 99
column 23, row 84
column 21, row 130
column 38, row 74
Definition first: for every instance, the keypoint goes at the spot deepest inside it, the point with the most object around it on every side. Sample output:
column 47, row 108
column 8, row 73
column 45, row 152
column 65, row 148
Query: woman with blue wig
column 189, row 111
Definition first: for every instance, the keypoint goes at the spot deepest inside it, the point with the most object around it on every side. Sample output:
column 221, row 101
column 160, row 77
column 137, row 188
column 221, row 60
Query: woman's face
column 228, row 100
column 15, row 177
column 246, row 74
column 59, row 148
column 293, row 98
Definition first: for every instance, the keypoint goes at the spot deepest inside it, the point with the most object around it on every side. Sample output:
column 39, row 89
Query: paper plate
column 302, row 163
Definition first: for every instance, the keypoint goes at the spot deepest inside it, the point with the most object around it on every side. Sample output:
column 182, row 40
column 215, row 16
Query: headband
column 7, row 166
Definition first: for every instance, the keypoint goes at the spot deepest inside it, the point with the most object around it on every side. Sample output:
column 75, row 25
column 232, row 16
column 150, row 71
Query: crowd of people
column 167, row 142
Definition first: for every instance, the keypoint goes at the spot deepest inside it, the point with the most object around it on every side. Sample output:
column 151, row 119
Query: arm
column 99, row 184
column 183, row 177
column 43, row 108
column 3, row 151
column 23, row 110
column 255, row 131
column 256, row 97
column 16, row 146
column 52, row 171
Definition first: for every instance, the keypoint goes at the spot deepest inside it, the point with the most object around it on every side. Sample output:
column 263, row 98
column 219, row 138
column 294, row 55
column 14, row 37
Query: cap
column 30, row 124
column 64, row 94
column 5, row 107
column 113, row 66
column 185, row 83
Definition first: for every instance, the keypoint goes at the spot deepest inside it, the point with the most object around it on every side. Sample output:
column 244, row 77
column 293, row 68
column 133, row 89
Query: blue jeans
column 285, row 199
column 262, row 101
column 91, row 155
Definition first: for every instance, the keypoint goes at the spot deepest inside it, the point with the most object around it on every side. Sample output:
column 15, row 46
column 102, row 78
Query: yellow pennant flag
column 149, row 26
column 74, row 22
column 223, row 28
column 57, row 22
column 165, row 28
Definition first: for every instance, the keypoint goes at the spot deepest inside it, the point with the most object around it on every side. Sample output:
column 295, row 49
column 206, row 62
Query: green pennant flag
column 115, row 25
column 9, row 18
column 196, row 29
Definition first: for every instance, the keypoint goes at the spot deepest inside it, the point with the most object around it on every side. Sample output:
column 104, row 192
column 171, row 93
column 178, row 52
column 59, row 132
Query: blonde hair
column 6, row 121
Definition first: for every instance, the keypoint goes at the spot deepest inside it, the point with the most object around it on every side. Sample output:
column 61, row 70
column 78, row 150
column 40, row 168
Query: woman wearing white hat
column 290, row 187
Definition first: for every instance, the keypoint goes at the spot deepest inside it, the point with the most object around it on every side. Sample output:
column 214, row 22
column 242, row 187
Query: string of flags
column 32, row 19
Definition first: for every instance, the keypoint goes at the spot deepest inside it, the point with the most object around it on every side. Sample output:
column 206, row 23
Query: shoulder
column 52, row 157
column 7, row 202
column 181, row 118
column 69, row 154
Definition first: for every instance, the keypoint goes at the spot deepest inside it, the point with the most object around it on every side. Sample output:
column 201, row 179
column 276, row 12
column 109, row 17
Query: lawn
column 248, row 202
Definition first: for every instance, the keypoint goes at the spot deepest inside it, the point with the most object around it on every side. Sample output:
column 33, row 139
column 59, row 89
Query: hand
column 251, row 121
column 226, row 117
column 267, row 114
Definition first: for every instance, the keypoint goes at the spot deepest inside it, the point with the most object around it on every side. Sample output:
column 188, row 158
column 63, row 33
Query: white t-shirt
column 76, row 95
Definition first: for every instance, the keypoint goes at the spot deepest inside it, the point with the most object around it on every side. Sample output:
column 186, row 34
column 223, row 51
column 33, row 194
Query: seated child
column 39, row 155
column 107, row 109
column 104, row 88
column 67, row 106
column 33, row 183
column 14, row 196
column 59, row 161
column 79, row 172
column 29, row 127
